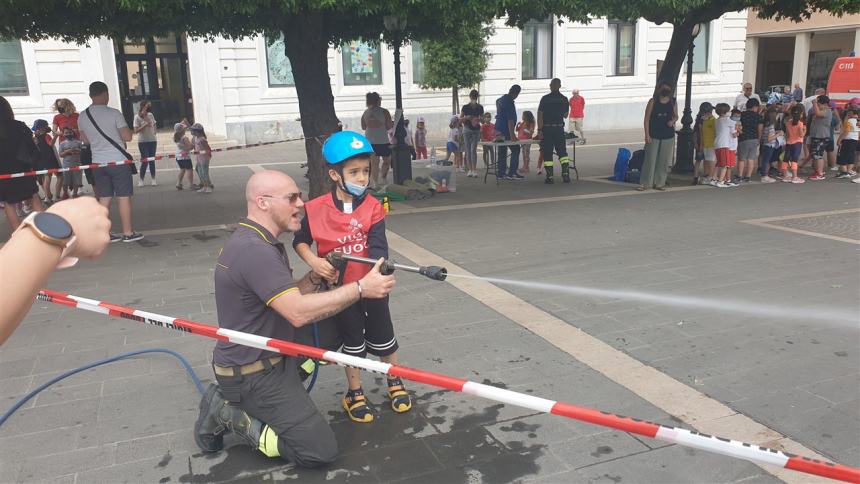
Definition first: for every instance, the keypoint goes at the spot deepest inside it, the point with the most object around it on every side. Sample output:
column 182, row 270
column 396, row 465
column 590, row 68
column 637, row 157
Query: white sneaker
column 834, row 168
column 201, row 190
column 154, row 183
column 139, row 182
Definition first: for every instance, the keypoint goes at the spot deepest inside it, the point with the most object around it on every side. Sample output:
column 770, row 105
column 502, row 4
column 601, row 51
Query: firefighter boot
column 565, row 170
column 208, row 432
column 548, row 168
column 243, row 425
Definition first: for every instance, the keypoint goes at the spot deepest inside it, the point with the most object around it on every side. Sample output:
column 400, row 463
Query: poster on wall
column 361, row 63
column 362, row 57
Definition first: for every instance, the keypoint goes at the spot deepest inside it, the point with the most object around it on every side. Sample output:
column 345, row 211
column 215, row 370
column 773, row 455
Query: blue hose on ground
column 105, row 361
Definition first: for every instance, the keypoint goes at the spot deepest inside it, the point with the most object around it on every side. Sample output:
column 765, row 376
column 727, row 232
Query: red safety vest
column 346, row 233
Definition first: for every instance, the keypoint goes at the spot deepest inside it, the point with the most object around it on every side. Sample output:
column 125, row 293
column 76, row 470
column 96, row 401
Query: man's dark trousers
column 503, row 159
column 277, row 397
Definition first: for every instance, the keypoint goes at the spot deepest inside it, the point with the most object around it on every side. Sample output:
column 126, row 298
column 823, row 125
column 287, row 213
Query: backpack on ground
column 622, row 160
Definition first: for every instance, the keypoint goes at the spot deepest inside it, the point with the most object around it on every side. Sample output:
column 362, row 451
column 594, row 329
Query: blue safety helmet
column 344, row 145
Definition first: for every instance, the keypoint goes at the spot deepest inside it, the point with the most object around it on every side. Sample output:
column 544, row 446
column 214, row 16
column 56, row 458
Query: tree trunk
column 307, row 50
column 676, row 54
column 455, row 100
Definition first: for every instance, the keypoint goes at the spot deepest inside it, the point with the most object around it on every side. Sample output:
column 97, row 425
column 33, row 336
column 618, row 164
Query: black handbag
column 112, row 142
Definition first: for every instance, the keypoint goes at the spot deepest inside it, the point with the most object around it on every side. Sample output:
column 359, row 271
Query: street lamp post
column 684, row 153
column 401, row 162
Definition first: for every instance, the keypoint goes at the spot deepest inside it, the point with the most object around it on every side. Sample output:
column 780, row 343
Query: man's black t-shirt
column 475, row 111
column 555, row 107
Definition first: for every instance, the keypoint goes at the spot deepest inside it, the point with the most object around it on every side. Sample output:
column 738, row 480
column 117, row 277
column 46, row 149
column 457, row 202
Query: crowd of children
column 455, row 147
column 778, row 141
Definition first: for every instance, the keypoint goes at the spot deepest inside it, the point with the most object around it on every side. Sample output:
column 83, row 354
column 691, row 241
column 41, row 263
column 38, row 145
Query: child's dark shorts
column 366, row 327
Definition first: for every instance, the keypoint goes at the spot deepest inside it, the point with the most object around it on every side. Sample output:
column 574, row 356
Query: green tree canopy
column 457, row 61
column 309, row 28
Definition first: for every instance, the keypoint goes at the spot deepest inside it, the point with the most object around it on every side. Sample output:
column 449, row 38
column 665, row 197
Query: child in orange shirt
column 525, row 131
column 795, row 128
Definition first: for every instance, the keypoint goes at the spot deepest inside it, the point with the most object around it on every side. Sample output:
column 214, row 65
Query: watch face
column 53, row 225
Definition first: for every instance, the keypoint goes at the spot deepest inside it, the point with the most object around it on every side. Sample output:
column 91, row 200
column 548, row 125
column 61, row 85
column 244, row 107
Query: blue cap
column 39, row 124
column 344, row 145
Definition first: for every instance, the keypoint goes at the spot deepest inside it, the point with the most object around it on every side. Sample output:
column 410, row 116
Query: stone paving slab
column 846, row 225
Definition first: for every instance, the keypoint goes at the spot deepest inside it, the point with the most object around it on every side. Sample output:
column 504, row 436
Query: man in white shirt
column 110, row 181
column 807, row 102
column 744, row 96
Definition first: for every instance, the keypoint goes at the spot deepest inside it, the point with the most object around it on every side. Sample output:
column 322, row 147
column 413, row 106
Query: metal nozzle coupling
column 433, row 272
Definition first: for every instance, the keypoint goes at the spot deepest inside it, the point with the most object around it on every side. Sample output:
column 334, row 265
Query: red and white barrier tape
column 146, row 159
column 718, row 445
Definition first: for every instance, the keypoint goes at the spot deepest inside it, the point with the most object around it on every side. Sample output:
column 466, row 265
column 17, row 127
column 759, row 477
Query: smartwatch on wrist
column 54, row 230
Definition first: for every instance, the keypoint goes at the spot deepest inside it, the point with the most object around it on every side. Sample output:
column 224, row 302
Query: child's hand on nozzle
column 325, row 270
column 375, row 285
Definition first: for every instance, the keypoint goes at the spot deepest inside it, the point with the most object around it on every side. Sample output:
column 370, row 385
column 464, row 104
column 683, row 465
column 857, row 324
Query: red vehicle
column 844, row 82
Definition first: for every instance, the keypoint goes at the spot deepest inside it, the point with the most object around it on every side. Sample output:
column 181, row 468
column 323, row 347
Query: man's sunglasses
column 290, row 197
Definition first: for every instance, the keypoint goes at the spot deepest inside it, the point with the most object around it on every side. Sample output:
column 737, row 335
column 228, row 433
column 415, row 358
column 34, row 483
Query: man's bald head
column 274, row 201
column 268, row 182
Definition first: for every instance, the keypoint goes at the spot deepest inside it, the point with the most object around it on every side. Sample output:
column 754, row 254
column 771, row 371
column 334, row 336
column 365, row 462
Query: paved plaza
column 780, row 382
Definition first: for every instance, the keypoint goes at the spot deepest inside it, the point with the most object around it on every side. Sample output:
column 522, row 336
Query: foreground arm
column 28, row 261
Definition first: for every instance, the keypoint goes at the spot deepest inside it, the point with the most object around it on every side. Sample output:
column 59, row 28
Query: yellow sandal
column 400, row 400
column 356, row 407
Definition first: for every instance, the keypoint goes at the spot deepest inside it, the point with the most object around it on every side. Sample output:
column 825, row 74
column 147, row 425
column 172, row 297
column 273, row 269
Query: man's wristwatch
column 55, row 230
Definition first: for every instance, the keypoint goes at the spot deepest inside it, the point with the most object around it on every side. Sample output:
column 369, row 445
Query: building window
column 13, row 77
column 361, row 63
column 417, row 63
column 622, row 48
column 701, row 49
column 537, row 49
column 278, row 64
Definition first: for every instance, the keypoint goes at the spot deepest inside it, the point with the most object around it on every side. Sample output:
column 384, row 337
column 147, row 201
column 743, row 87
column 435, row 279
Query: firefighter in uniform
column 552, row 111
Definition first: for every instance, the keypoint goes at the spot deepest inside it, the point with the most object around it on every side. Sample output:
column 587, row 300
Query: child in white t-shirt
column 725, row 146
column 453, row 145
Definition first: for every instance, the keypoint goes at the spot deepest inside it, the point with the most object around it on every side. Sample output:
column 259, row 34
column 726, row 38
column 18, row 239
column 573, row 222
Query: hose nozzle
column 433, row 272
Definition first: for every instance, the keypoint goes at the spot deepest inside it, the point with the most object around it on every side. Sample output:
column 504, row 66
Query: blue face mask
column 354, row 189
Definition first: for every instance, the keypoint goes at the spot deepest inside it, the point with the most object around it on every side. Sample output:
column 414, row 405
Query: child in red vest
column 350, row 222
